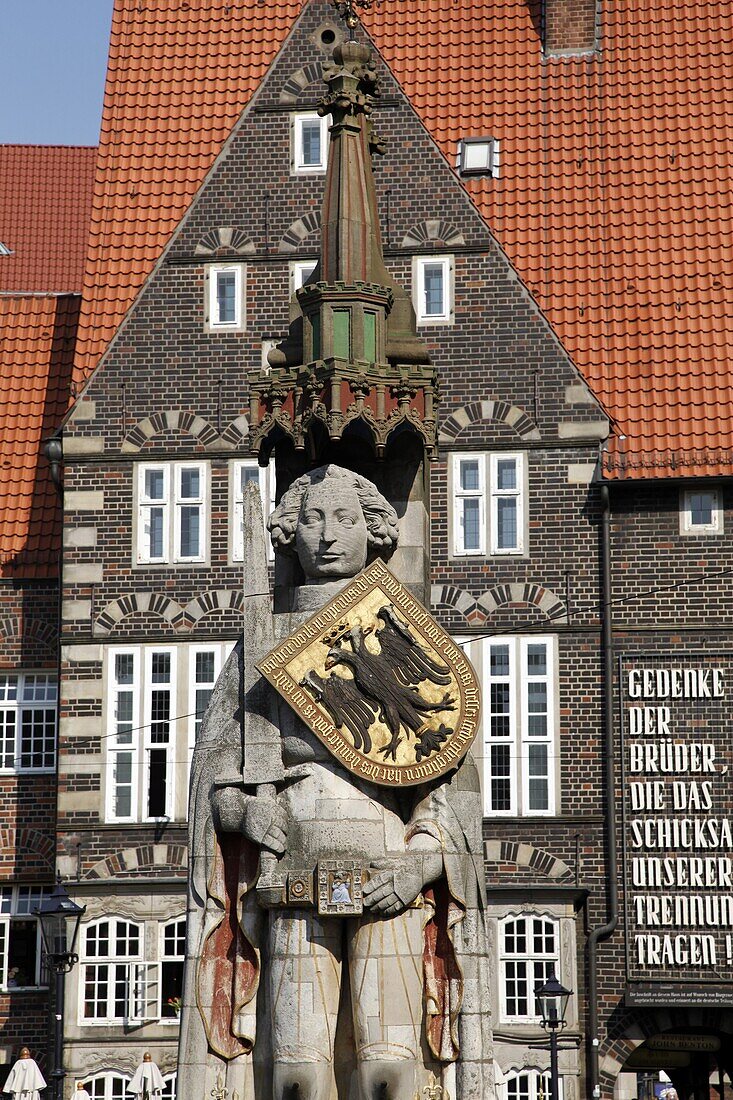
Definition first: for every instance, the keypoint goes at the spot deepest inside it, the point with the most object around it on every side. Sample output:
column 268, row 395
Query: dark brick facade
column 28, row 643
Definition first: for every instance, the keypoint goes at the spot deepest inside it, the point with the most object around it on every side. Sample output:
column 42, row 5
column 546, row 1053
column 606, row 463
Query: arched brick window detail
column 25, row 843
column 479, row 609
column 433, row 231
column 221, row 599
column 46, row 633
column 499, row 411
column 172, row 419
column 528, row 594
column 225, row 240
column 152, row 602
column 236, row 432
column 301, row 79
column 145, row 857
column 299, row 230
column 526, row 855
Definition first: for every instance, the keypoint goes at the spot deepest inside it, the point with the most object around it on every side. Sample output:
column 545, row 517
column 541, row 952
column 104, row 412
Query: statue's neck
column 312, row 597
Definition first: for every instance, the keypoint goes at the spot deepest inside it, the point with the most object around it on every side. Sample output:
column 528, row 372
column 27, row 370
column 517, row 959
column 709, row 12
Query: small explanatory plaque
column 677, row 775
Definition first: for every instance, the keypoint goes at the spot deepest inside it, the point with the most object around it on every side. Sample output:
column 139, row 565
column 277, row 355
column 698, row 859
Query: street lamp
column 552, row 1002
column 59, row 918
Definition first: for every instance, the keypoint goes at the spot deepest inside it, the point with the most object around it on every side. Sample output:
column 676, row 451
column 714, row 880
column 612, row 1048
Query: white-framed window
column 141, row 733
column 107, row 1086
column 20, row 938
column 205, row 662
column 169, row 1086
column 519, row 726
column 172, row 959
column 528, row 1084
column 529, row 953
column 225, row 297
column 432, row 280
column 309, row 142
column 488, row 504
column 28, row 721
column 156, row 697
column 171, row 512
column 243, row 471
column 112, row 972
column 300, row 273
column 701, row 512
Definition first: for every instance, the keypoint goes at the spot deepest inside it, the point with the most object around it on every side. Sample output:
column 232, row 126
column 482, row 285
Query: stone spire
column 351, row 240
column 353, row 352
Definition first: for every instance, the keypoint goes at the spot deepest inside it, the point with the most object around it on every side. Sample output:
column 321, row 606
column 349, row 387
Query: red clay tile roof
column 36, row 355
column 614, row 200
column 45, row 203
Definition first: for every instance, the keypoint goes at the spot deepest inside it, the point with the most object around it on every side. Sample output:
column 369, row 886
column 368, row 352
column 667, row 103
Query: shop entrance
column 684, row 1064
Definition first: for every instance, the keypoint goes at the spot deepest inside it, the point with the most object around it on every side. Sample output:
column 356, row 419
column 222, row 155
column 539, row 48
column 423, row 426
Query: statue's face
column 331, row 536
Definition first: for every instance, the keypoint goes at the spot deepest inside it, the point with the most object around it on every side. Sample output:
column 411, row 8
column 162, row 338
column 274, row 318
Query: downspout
column 603, row 931
column 53, row 450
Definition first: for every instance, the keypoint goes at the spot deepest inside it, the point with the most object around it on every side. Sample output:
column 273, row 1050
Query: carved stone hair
column 380, row 516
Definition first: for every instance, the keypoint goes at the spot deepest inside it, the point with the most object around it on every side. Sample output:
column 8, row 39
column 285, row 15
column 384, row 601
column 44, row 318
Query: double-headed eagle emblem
column 384, row 683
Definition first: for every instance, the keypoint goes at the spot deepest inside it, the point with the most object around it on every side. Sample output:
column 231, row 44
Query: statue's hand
column 266, row 823
column 261, row 820
column 394, row 883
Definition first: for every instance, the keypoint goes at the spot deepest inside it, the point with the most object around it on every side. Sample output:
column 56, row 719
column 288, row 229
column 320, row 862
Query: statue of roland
column 279, row 1001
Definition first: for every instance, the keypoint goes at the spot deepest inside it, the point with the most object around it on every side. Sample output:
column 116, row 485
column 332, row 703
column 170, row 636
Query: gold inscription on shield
column 380, row 683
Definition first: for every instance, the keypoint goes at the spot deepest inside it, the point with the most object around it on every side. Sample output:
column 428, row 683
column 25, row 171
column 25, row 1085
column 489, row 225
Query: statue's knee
column 388, row 1080
column 301, row 1081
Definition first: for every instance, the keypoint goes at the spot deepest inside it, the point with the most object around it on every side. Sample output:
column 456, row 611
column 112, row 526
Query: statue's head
column 334, row 521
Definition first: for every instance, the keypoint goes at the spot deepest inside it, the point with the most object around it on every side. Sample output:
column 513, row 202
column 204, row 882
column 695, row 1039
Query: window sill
column 28, row 771
column 181, row 564
column 486, row 555
column 25, row 989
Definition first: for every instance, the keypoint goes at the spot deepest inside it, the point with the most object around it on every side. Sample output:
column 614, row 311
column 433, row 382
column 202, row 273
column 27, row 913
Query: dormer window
column 310, row 143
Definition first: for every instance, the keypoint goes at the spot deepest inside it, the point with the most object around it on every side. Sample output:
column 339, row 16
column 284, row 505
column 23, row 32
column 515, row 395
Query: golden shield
column 380, row 683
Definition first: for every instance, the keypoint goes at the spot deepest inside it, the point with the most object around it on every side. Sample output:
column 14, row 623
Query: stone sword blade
column 262, row 765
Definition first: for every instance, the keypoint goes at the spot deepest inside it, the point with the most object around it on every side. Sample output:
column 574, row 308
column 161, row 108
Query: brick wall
column 569, row 26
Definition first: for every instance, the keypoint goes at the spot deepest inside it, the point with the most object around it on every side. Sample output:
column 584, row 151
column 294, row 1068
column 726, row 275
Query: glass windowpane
column 226, row 307
column 506, row 473
column 537, row 660
column 433, row 283
column 190, row 483
column 702, row 506
column 155, row 484
column 190, row 531
column 470, row 509
column 154, row 532
column 506, row 519
column 311, row 142
column 469, row 474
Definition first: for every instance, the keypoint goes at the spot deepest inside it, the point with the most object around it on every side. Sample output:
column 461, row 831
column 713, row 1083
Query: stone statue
column 383, row 985
column 25, row 1080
